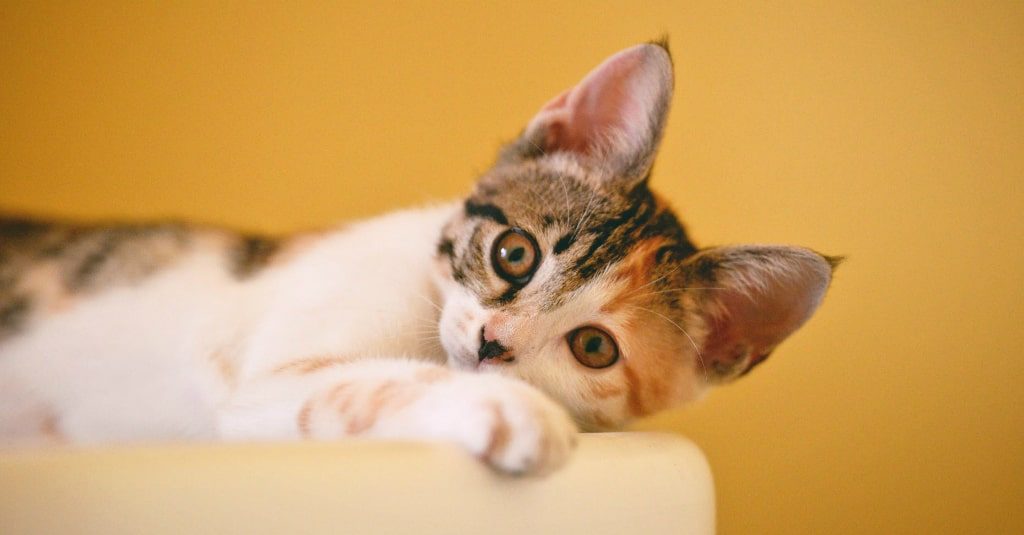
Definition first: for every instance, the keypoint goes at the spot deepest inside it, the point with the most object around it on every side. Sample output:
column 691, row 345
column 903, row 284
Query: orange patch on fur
column 309, row 365
column 657, row 389
column 605, row 390
column 387, row 398
column 49, row 428
column 634, row 271
column 225, row 367
column 636, row 404
column 432, row 375
column 602, row 421
column 342, row 391
column 303, row 418
column 501, row 433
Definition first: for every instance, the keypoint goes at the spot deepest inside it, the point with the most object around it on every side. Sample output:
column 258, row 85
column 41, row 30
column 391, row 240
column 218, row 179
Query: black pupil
column 516, row 254
column 593, row 344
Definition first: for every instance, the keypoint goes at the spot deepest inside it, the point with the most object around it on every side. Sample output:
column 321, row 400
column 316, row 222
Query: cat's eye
column 515, row 256
column 593, row 347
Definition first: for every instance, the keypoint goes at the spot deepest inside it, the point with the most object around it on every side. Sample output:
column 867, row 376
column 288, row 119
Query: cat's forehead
column 555, row 194
column 585, row 230
column 549, row 190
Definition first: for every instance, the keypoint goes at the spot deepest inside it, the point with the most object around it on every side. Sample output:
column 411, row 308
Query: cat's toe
column 529, row 434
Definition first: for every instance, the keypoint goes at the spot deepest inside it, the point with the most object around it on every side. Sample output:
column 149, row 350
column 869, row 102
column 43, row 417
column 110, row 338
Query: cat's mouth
column 464, row 359
column 494, row 364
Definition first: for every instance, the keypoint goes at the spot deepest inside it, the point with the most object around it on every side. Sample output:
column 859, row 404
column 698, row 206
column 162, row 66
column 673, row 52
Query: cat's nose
column 490, row 349
column 494, row 327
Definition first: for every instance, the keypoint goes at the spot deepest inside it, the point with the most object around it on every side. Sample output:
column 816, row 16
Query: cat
column 561, row 295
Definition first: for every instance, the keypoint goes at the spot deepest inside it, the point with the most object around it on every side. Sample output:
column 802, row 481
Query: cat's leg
column 507, row 423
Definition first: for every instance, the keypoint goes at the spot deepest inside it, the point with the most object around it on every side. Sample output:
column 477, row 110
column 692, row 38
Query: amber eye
column 515, row 256
column 593, row 347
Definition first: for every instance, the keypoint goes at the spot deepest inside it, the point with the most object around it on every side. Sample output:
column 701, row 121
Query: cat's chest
column 366, row 292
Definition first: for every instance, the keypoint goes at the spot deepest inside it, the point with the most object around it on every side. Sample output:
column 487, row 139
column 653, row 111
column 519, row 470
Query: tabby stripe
column 587, row 264
column 13, row 314
column 508, row 296
column 472, row 259
column 87, row 269
column 486, row 211
column 565, row 242
column 446, row 248
column 253, row 254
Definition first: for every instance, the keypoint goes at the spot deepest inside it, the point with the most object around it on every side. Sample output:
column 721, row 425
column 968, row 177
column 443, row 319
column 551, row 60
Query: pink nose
column 494, row 327
column 490, row 349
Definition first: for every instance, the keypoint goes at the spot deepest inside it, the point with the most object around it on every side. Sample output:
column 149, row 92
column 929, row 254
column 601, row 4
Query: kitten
column 562, row 293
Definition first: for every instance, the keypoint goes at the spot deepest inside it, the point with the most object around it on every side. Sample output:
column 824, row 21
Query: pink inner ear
column 613, row 103
column 759, row 306
column 753, row 326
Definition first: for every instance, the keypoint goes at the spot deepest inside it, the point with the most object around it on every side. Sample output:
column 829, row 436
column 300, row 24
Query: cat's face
column 565, row 270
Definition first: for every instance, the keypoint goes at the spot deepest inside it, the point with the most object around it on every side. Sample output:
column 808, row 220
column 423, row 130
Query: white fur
column 146, row 362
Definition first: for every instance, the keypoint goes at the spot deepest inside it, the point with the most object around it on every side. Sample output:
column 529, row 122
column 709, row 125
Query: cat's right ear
column 613, row 119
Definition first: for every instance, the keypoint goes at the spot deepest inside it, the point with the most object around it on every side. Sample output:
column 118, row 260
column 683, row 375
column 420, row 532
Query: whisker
column 565, row 190
column 538, row 147
column 425, row 298
column 586, row 216
column 700, row 357
column 655, row 281
column 683, row 289
column 430, row 338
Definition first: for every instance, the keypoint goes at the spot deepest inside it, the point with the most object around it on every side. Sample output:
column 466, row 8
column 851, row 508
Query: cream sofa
column 642, row 483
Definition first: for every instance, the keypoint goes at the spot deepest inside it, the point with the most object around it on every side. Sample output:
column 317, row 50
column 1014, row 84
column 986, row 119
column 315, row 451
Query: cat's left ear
column 613, row 118
column 751, row 298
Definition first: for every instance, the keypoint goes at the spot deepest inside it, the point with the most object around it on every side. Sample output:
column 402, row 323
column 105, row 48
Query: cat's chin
column 470, row 363
column 463, row 361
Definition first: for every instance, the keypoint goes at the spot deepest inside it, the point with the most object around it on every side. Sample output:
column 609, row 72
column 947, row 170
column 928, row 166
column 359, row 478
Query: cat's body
column 561, row 269
column 177, row 336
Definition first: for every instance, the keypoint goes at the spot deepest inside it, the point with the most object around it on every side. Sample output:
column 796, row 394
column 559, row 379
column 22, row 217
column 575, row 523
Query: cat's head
column 565, row 270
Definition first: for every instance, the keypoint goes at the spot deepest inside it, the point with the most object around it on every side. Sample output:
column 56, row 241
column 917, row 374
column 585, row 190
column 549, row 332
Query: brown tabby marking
column 251, row 254
column 604, row 227
column 45, row 266
column 14, row 311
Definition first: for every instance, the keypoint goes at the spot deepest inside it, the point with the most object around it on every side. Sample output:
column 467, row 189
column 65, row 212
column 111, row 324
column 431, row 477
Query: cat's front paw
column 528, row 432
column 508, row 424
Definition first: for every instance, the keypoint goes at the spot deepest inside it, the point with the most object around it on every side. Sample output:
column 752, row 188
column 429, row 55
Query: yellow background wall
column 893, row 134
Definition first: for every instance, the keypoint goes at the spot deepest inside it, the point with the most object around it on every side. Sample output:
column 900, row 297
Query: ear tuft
column 752, row 298
column 662, row 42
column 834, row 261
